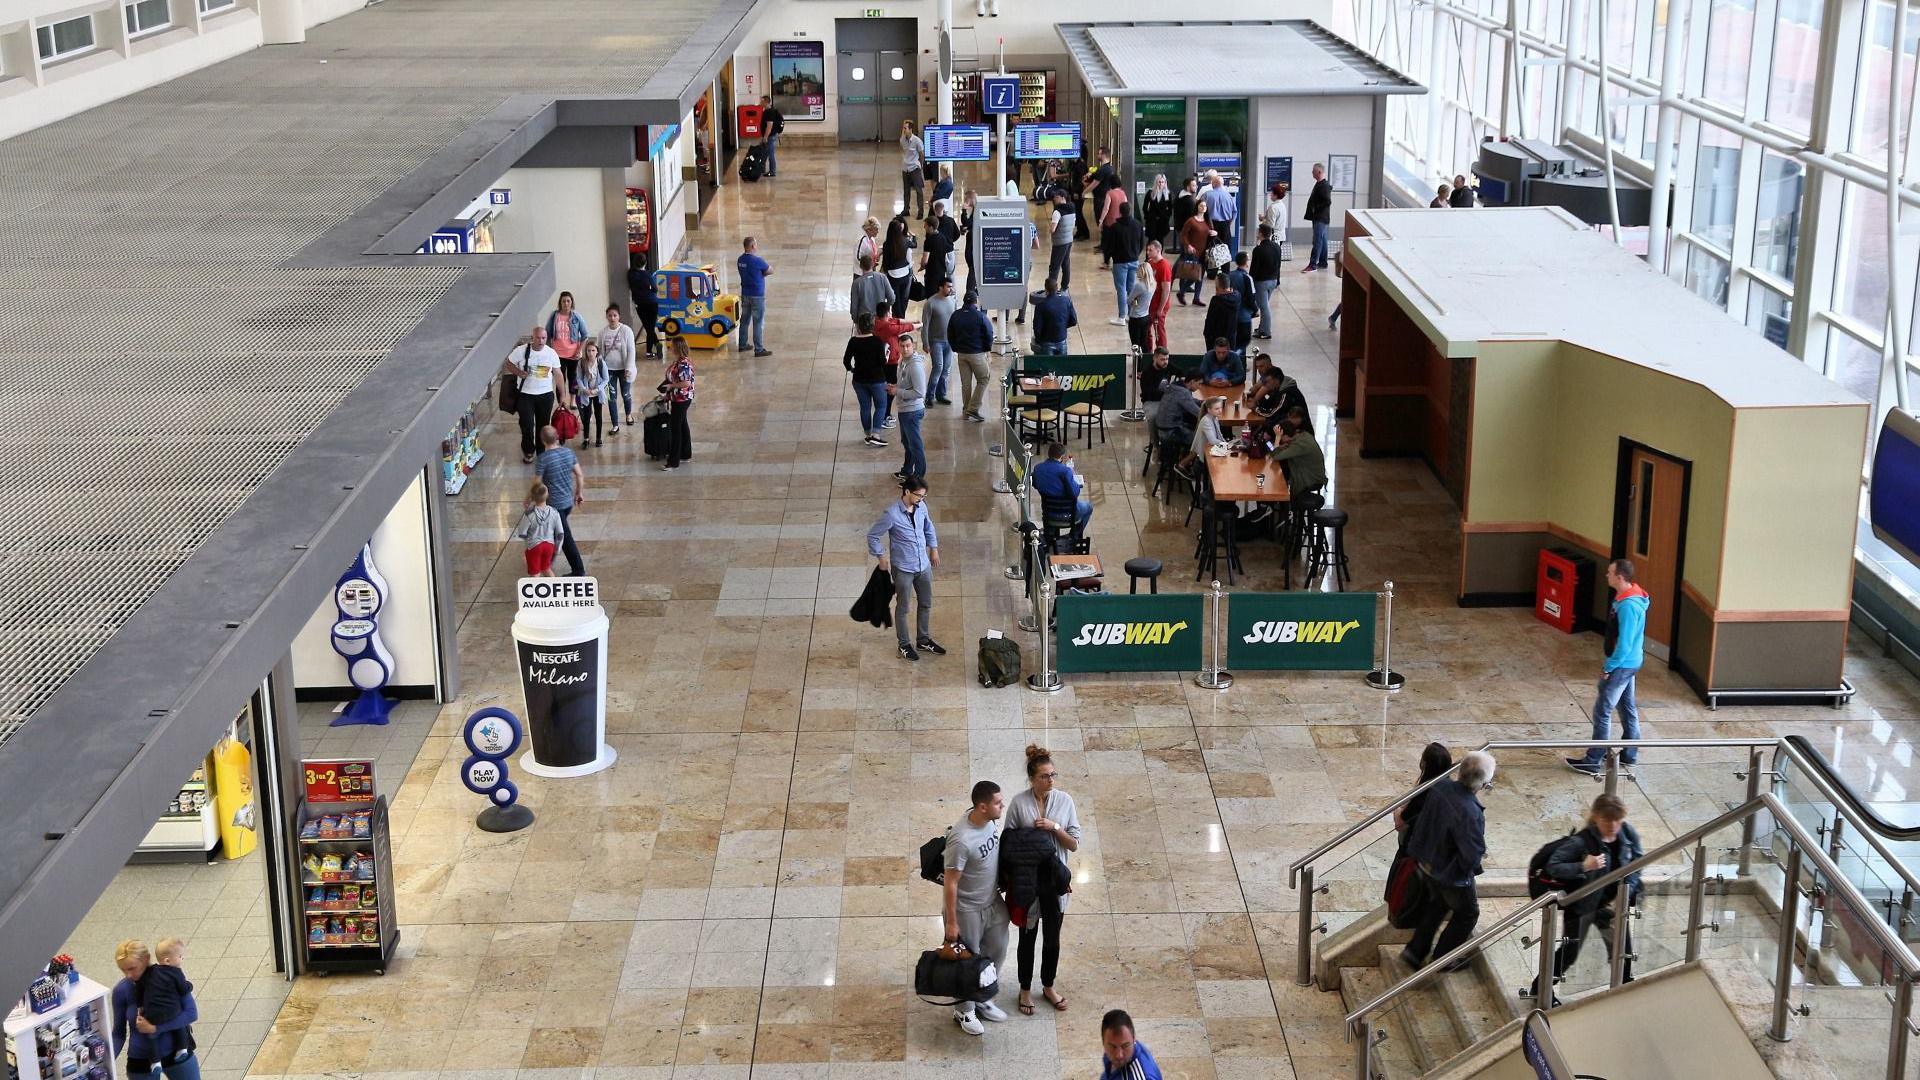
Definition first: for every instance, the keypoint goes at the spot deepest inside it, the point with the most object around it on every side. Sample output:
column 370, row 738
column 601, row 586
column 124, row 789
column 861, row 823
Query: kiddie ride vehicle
column 693, row 307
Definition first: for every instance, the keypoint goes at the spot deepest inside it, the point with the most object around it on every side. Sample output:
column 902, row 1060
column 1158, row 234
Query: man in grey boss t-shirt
column 975, row 913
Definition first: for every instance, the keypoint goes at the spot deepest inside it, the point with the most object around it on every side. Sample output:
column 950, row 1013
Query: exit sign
column 873, row 13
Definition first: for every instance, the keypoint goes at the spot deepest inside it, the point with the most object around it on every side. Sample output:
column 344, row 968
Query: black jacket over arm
column 876, row 600
column 1030, row 867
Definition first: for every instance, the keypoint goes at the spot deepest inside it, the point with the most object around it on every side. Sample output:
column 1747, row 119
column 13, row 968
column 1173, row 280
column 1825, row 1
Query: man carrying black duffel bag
column 975, row 913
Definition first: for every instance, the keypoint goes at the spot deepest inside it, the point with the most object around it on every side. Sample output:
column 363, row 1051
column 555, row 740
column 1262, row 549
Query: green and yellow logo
column 1128, row 633
column 1085, row 383
column 1299, row 631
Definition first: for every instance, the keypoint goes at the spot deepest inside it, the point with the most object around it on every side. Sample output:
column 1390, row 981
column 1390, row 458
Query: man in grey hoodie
column 871, row 293
column 910, row 405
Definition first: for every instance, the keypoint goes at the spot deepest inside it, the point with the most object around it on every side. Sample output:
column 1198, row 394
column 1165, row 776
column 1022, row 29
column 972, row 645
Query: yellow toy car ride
column 693, row 307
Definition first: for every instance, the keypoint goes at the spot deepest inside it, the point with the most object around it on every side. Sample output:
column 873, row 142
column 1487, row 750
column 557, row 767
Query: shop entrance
column 1650, row 528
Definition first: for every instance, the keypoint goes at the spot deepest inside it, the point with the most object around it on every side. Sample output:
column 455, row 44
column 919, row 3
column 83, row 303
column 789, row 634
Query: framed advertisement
column 1159, row 131
column 799, row 74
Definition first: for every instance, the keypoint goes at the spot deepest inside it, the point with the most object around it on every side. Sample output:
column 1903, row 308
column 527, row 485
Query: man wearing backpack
column 973, row 911
column 1604, row 845
column 772, row 123
column 1626, row 637
column 1447, row 842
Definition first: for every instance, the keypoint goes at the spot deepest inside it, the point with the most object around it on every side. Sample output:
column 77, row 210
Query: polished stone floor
column 737, row 897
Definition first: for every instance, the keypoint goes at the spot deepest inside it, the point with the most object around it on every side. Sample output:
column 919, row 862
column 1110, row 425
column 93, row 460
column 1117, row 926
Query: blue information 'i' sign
column 1000, row 95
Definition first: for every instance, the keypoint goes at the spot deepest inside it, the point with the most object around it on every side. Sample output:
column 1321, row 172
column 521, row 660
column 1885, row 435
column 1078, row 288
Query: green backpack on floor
column 999, row 661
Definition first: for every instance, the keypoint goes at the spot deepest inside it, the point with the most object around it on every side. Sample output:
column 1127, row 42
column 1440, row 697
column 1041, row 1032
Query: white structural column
column 1606, row 124
column 1896, row 347
column 1666, row 135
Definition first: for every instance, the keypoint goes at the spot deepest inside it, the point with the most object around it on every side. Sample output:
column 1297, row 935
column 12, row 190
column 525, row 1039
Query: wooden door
column 1655, row 503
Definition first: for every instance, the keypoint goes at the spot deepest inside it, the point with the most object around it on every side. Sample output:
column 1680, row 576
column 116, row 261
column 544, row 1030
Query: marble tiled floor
column 737, row 897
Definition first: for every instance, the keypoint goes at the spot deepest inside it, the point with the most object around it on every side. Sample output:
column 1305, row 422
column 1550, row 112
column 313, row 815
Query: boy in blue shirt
column 1627, row 627
column 753, row 296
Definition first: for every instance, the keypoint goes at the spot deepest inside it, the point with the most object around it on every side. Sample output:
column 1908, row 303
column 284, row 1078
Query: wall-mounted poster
column 799, row 79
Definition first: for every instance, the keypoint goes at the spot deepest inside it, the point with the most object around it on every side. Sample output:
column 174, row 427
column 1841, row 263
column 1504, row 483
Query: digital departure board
column 1046, row 141
column 956, row 142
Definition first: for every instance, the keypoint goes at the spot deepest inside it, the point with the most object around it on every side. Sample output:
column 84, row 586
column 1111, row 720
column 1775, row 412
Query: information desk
column 1235, row 478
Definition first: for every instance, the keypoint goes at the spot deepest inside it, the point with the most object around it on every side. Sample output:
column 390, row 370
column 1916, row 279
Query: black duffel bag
column 952, row 974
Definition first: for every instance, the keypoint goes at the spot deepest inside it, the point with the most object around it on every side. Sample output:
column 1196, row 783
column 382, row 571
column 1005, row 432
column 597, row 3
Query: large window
column 1776, row 223
column 1796, row 64
column 1708, row 275
column 146, row 16
column 1876, row 70
column 63, row 39
column 1729, row 52
column 1716, row 184
column 1860, row 283
column 208, row 7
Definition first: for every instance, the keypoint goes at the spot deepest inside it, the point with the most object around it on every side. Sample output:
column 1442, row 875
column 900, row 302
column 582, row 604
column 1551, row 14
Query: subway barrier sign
column 1300, row 631
column 1123, row 632
column 1100, row 378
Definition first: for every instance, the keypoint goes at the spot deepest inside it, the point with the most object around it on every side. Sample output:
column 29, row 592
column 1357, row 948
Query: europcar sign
column 1120, row 632
column 1300, row 631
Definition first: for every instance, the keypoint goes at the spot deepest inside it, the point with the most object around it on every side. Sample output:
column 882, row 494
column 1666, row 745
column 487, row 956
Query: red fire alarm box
column 1562, row 591
column 749, row 122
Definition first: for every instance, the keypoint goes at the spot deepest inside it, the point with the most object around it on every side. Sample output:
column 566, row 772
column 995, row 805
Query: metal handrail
column 1847, row 802
column 1311, row 857
column 1810, row 849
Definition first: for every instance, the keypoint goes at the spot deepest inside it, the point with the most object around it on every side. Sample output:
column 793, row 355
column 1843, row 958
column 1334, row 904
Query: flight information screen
column 1046, row 140
column 956, row 142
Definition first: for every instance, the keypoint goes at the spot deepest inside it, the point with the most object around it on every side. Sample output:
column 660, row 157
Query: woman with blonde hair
column 868, row 244
column 166, row 1048
column 1045, row 807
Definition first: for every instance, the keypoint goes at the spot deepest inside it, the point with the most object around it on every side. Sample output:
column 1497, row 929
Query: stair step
column 1393, row 1058
column 1435, row 1039
column 1475, row 1002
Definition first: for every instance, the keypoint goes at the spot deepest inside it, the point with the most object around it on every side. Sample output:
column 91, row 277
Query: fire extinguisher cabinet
column 1563, row 590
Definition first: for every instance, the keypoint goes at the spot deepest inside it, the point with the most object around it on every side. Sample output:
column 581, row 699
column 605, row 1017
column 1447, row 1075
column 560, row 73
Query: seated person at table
column 1154, row 377
column 1262, row 363
column 1206, row 436
column 1054, row 482
column 1223, row 366
column 1291, row 397
column 1179, row 410
column 1299, row 453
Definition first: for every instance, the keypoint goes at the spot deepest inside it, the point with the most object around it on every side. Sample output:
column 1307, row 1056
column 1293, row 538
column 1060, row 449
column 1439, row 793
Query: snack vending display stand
column 346, row 870
column 71, row 1041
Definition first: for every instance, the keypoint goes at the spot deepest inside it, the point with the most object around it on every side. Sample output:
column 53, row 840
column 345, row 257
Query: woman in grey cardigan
column 1044, row 806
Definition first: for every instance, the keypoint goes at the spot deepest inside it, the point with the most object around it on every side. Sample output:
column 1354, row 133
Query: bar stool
column 1329, row 547
column 1219, row 521
column 1084, row 416
column 1143, row 567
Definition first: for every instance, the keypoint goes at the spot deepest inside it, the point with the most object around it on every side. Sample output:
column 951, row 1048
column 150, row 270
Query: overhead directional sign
column 1000, row 95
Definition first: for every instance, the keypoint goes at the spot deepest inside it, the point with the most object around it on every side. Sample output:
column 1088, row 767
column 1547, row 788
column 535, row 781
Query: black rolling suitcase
column 754, row 165
column 653, row 435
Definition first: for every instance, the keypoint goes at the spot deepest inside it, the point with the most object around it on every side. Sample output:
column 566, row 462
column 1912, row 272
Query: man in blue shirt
column 566, row 486
column 753, row 296
column 908, row 548
column 1122, row 1056
column 1627, row 630
column 1223, row 210
column 1053, row 316
column 1054, row 482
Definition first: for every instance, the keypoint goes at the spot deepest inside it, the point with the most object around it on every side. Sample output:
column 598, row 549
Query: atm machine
column 1229, row 167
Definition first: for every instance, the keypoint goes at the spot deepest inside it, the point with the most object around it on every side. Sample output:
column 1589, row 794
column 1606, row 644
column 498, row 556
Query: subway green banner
column 1123, row 632
column 1300, row 631
column 1097, row 377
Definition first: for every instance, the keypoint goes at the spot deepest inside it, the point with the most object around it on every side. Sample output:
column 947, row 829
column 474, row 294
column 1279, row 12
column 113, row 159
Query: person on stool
column 1627, row 632
column 1055, row 483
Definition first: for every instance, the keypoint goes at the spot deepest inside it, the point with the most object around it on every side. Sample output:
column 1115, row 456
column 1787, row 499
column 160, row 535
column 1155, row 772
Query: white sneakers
column 984, row 1010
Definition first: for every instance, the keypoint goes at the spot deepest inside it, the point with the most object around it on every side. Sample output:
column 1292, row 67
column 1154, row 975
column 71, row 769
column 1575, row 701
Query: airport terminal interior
column 1517, row 545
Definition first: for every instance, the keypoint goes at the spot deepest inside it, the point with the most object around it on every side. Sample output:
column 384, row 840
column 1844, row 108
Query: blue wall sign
column 1000, row 95
column 500, row 196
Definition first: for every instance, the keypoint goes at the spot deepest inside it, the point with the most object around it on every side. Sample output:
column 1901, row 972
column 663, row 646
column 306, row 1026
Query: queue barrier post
column 1213, row 677
column 999, row 449
column 1133, row 411
column 1384, row 678
column 1046, row 680
column 1022, row 520
column 1035, row 620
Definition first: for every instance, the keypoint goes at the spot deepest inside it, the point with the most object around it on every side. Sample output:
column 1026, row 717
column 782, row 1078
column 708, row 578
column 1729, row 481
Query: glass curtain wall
column 1778, row 158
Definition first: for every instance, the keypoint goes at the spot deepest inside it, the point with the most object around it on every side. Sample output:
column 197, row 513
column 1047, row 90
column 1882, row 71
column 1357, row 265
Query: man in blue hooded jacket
column 1627, row 629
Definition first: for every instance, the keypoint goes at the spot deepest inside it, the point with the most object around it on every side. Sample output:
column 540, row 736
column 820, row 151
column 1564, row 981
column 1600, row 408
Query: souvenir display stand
column 70, row 1040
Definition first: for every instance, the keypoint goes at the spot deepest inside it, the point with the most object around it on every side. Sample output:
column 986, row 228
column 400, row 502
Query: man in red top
column 1162, row 271
column 888, row 329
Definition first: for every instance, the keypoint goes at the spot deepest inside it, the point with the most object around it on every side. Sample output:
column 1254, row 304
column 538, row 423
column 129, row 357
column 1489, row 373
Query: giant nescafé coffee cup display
column 560, row 643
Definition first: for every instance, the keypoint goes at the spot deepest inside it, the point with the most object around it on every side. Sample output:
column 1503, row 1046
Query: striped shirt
column 1142, row 1067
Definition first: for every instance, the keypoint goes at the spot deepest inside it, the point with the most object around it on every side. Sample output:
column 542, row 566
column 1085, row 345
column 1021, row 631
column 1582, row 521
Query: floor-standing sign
column 560, row 639
column 357, row 598
column 1000, row 243
column 492, row 735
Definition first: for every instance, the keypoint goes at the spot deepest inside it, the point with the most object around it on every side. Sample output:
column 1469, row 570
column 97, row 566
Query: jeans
column 591, row 426
column 535, row 411
column 1140, row 333
column 942, row 371
column 1443, row 901
column 902, row 291
column 1060, row 265
column 1616, row 689
column 1184, row 288
column 1043, row 921
column 771, row 142
column 1318, row 259
column 1082, row 513
column 1049, row 348
column 873, row 400
column 913, row 185
column 975, row 373
column 1263, row 292
column 680, row 435
column 187, row 1068
column 1123, row 275
column 619, row 392
column 753, row 315
column 576, row 566
column 918, row 583
column 1242, row 335
column 916, row 456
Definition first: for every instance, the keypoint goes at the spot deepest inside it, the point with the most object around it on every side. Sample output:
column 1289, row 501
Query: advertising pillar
column 560, row 642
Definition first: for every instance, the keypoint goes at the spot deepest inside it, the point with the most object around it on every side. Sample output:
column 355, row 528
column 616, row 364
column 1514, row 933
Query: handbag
column 565, row 423
column 1218, row 257
column 656, row 407
column 1189, row 270
column 509, row 394
column 1406, row 892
